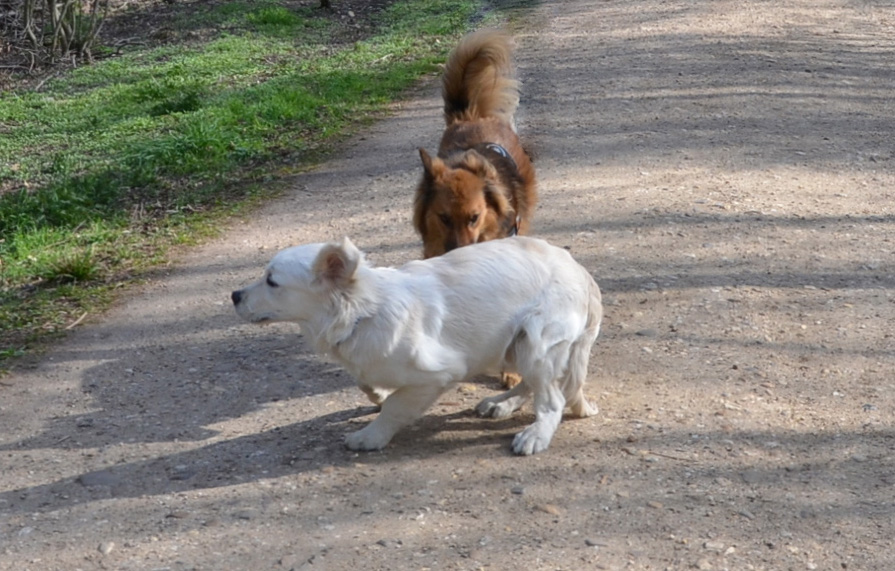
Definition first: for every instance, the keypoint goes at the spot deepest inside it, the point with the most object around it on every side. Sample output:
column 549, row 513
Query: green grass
column 111, row 163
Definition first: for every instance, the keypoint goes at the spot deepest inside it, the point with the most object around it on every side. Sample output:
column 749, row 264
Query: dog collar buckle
column 498, row 149
column 500, row 152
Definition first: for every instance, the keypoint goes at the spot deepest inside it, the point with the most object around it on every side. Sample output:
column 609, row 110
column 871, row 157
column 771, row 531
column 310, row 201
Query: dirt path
column 724, row 168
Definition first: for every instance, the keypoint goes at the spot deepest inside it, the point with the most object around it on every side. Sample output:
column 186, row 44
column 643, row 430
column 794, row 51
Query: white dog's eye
column 270, row 281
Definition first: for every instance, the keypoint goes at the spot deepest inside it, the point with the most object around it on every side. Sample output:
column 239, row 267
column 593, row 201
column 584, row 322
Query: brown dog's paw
column 510, row 380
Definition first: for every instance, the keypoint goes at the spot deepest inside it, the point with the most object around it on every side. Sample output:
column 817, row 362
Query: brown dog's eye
column 445, row 219
column 473, row 219
column 270, row 281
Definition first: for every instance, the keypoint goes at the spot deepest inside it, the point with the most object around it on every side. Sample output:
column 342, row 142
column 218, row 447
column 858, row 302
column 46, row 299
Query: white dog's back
column 461, row 312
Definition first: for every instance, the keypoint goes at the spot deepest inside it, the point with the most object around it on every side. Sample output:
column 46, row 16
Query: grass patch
column 110, row 164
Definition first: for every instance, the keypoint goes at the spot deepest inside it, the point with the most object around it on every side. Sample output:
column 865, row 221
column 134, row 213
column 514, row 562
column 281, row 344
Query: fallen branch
column 77, row 321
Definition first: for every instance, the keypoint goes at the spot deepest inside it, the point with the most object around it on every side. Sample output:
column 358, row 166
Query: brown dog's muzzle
column 465, row 238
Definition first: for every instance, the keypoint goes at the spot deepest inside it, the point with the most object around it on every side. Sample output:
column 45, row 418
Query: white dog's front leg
column 548, row 403
column 400, row 409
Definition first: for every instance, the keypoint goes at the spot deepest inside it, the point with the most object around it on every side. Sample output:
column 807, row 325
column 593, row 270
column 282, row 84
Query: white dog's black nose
column 236, row 296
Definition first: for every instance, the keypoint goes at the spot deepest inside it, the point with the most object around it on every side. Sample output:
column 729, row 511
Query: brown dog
column 481, row 186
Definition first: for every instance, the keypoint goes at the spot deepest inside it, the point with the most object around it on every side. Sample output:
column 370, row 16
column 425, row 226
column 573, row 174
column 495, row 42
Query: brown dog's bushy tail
column 478, row 79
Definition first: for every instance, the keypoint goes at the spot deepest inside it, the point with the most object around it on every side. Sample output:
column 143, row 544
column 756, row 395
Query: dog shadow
column 307, row 446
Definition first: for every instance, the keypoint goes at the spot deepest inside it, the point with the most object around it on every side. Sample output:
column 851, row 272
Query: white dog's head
column 299, row 283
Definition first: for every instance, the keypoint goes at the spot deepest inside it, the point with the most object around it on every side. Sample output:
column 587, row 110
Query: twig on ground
column 77, row 321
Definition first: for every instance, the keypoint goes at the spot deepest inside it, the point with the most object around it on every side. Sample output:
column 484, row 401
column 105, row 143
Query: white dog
column 408, row 334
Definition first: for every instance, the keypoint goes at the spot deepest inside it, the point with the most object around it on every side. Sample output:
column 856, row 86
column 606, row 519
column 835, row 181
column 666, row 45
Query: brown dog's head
column 460, row 204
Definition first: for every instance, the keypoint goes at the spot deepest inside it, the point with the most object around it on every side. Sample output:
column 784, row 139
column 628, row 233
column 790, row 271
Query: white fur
column 408, row 334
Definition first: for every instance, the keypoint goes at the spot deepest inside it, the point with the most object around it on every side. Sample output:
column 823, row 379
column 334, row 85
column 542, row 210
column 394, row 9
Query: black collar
column 503, row 155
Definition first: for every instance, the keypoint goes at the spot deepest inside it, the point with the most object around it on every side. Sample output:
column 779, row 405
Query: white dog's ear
column 336, row 264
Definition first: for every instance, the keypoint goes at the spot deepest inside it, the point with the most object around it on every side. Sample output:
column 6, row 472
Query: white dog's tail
column 573, row 382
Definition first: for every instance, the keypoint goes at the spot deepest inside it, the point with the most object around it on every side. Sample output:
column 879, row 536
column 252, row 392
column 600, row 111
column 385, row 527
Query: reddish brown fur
column 470, row 193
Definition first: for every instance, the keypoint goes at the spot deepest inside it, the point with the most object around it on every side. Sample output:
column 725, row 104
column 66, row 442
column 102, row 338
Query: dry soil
column 724, row 168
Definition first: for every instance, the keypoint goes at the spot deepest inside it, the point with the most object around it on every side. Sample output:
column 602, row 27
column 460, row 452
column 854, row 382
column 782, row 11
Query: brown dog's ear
column 433, row 166
column 478, row 165
column 427, row 160
column 336, row 264
column 499, row 203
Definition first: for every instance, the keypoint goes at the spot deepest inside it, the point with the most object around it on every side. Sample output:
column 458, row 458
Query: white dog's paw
column 587, row 409
column 505, row 409
column 485, row 407
column 535, row 438
column 582, row 408
column 367, row 438
column 494, row 407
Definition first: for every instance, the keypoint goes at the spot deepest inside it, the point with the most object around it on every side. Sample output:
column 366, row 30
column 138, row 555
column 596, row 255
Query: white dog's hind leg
column 576, row 374
column 398, row 410
column 504, row 404
column 548, row 403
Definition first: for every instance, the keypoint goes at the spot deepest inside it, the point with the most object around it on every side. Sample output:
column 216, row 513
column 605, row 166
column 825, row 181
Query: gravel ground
column 724, row 168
